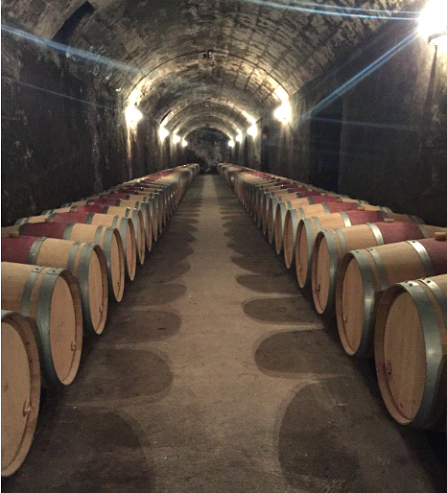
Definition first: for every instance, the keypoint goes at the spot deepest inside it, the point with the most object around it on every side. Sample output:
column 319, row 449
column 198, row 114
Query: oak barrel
column 332, row 244
column 85, row 261
column 51, row 297
column 122, row 223
column 20, row 389
column 301, row 212
column 108, row 238
column 410, row 346
column 133, row 205
column 364, row 274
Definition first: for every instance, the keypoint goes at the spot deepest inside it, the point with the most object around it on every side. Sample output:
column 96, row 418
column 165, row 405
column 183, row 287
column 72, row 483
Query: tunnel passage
column 215, row 374
column 96, row 93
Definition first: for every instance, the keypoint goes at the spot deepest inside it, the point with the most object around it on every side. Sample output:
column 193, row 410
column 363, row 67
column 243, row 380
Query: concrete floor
column 215, row 375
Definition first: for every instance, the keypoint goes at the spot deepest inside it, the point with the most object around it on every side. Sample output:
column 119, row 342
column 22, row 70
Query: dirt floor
column 215, row 375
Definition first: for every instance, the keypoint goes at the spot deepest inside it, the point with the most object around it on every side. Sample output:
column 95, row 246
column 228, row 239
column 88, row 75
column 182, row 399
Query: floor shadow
column 259, row 264
column 115, row 374
column 271, row 283
column 84, row 450
column 152, row 295
column 285, row 310
column 301, row 351
column 128, row 326
column 255, row 249
column 167, row 249
column 183, row 219
column 162, row 271
column 335, row 437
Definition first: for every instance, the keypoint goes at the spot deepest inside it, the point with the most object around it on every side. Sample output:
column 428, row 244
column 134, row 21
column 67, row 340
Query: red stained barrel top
column 399, row 231
column 52, row 230
column 17, row 249
column 437, row 250
column 362, row 217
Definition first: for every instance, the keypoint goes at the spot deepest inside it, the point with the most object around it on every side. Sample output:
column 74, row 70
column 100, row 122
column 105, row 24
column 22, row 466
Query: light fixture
column 283, row 113
column 163, row 132
column 433, row 22
column 239, row 138
column 176, row 139
column 184, row 143
column 231, row 143
column 253, row 130
column 133, row 115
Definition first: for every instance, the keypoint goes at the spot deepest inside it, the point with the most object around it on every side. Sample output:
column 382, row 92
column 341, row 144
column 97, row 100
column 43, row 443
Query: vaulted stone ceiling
column 201, row 63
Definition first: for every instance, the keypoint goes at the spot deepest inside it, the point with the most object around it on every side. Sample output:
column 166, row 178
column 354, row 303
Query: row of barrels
column 59, row 271
column 381, row 275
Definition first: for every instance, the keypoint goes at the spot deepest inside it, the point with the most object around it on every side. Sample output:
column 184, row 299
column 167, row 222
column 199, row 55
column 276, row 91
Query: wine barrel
column 293, row 224
column 153, row 203
column 133, row 205
column 309, row 227
column 138, row 223
column 410, row 347
column 332, row 244
column 309, row 199
column 51, row 297
column 291, row 192
column 84, row 260
column 108, row 238
column 364, row 274
column 320, row 209
column 110, row 241
column 20, row 389
column 90, row 215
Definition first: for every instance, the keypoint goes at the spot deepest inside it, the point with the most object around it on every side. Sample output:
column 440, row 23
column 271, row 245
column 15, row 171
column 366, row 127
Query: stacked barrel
column 59, row 271
column 382, row 276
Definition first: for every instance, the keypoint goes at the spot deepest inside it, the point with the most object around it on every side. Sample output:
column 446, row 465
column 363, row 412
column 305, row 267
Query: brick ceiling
column 208, row 63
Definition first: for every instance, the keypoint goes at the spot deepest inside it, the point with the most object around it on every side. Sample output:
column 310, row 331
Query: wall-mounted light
column 283, row 113
column 239, row 138
column 231, row 143
column 176, row 139
column 253, row 130
column 184, row 143
column 433, row 22
column 133, row 115
column 163, row 132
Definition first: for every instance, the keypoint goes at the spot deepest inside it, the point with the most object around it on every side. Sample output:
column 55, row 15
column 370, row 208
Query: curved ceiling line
column 204, row 121
column 225, row 97
column 190, row 55
column 194, row 123
column 184, row 126
column 226, row 110
column 214, row 126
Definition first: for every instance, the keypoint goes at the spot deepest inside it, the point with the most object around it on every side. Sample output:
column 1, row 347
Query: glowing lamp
column 239, row 138
column 184, row 143
column 176, row 139
column 163, row 132
column 231, row 143
column 433, row 22
column 253, row 130
column 133, row 115
column 283, row 113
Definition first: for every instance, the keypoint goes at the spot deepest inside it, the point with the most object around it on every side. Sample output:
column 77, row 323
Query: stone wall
column 393, row 146
column 63, row 131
